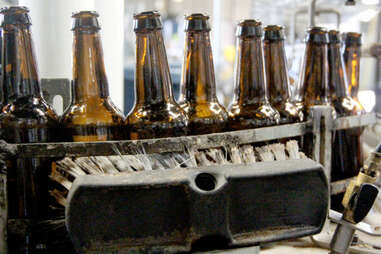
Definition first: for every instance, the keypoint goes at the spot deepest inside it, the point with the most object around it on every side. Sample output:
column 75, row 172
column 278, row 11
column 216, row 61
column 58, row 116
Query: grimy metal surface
column 166, row 211
column 53, row 87
column 161, row 145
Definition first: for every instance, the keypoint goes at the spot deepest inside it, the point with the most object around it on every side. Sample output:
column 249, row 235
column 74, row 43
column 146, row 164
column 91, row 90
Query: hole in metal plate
column 205, row 182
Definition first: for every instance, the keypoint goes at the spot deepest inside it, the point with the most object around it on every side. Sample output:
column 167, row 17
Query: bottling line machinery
column 168, row 211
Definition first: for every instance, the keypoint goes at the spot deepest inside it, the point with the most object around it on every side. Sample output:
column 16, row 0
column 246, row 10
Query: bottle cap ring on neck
column 147, row 21
column 334, row 37
column 274, row 33
column 352, row 39
column 317, row 35
column 249, row 28
column 15, row 15
column 85, row 21
column 197, row 22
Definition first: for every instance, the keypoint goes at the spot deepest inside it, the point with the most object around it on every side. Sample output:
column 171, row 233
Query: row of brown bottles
column 261, row 95
column 324, row 82
column 156, row 114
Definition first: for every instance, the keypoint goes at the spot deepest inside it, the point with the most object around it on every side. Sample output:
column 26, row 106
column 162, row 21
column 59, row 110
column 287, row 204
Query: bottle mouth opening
column 274, row 33
column 197, row 22
column 147, row 21
column 334, row 36
column 193, row 16
column 147, row 14
column 249, row 28
column 14, row 10
column 249, row 22
column 352, row 38
column 86, row 21
column 84, row 14
column 15, row 15
column 316, row 35
column 316, row 30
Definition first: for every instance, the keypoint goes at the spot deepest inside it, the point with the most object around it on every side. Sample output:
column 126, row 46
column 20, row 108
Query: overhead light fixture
column 367, row 15
column 370, row 2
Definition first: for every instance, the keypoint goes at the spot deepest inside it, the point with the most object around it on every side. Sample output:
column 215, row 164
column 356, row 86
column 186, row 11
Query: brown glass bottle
column 198, row 88
column 314, row 76
column 91, row 116
column 346, row 151
column 155, row 113
column 250, row 107
column 277, row 76
column 314, row 72
column 25, row 118
column 352, row 55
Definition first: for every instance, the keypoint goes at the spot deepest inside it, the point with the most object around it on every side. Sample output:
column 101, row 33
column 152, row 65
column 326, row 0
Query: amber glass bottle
column 155, row 114
column 352, row 55
column 277, row 75
column 25, row 118
column 91, row 116
column 314, row 73
column 250, row 107
column 314, row 76
column 198, row 88
column 346, row 151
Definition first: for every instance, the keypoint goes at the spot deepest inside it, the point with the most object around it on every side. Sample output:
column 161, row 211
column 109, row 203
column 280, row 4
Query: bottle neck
column 352, row 56
column 153, row 82
column 314, row 76
column 337, row 81
column 19, row 68
column 250, row 86
column 89, row 76
column 276, row 71
column 198, row 83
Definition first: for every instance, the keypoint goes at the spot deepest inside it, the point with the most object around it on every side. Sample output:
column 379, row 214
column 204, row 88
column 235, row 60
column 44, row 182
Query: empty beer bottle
column 198, row 88
column 314, row 76
column 314, row 72
column 346, row 150
column 25, row 118
column 352, row 55
column 91, row 116
column 250, row 107
column 155, row 113
column 277, row 75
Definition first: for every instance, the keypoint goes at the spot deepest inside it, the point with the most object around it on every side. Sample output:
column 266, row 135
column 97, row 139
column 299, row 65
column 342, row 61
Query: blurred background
column 53, row 38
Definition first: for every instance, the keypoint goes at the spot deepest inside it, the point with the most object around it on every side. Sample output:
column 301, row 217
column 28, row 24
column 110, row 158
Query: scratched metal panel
column 171, row 210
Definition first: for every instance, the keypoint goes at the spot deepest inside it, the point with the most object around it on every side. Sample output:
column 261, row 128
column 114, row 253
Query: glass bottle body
column 198, row 89
column 155, row 113
column 277, row 76
column 250, row 107
column 352, row 55
column 314, row 77
column 347, row 158
column 91, row 116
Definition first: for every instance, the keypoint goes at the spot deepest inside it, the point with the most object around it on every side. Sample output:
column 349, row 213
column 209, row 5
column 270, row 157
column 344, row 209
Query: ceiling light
column 367, row 15
column 370, row 2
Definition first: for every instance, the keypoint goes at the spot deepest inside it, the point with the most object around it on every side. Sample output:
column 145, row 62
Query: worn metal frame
column 321, row 123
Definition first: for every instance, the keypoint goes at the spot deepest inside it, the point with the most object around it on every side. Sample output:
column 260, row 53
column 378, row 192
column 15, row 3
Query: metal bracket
column 322, row 125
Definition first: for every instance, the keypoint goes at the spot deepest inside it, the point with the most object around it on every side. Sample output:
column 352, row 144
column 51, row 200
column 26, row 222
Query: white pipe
column 311, row 12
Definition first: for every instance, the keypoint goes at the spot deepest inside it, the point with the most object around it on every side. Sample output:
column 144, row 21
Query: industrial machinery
column 238, row 205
